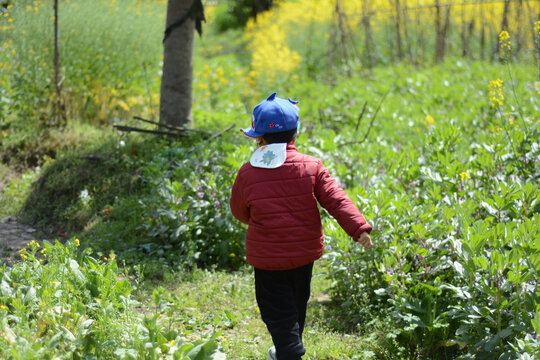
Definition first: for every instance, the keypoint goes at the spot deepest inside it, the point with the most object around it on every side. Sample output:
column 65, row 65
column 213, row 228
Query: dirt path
column 13, row 237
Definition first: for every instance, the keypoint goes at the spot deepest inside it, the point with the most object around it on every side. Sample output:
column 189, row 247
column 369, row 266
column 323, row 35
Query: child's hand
column 365, row 240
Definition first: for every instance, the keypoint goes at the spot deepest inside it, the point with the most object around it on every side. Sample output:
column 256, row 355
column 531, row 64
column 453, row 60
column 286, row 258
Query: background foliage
column 441, row 158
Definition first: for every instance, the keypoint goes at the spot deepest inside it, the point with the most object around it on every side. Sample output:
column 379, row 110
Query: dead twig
column 93, row 157
column 219, row 133
column 166, row 126
column 156, row 132
column 215, row 136
column 360, row 118
column 372, row 120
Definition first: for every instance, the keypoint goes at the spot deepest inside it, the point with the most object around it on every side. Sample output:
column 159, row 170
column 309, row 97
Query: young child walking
column 276, row 194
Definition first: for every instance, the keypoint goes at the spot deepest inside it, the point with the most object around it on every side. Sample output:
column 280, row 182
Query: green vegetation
column 62, row 303
column 443, row 160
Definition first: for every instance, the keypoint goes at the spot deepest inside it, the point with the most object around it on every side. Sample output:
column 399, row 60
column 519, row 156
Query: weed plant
column 61, row 303
column 456, row 211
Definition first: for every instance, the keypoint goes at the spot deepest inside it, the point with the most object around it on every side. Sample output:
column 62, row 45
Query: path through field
column 13, row 237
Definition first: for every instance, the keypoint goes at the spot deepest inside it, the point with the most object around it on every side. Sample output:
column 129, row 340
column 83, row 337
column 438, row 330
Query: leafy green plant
column 59, row 302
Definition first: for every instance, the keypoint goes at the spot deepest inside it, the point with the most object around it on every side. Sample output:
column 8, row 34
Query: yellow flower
column 464, row 175
column 430, row 120
column 33, row 243
column 4, row 307
column 504, row 40
column 171, row 343
column 123, row 105
column 132, row 101
column 537, row 27
column 495, row 92
column 10, row 20
column 77, row 243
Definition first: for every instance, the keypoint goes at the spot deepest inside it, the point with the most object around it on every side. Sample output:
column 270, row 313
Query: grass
column 437, row 127
column 206, row 301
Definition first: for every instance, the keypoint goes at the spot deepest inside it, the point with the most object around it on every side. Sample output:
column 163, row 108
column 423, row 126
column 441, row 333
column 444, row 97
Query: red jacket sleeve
column 239, row 207
column 332, row 197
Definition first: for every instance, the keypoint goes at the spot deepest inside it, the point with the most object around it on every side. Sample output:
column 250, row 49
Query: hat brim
column 251, row 133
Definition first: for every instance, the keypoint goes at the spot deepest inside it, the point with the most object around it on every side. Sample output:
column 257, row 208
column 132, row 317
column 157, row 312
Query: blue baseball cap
column 273, row 115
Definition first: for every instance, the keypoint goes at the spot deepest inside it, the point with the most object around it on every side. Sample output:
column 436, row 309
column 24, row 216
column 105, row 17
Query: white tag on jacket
column 269, row 156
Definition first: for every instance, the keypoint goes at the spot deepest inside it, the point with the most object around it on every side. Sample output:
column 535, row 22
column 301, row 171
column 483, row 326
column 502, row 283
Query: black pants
column 282, row 297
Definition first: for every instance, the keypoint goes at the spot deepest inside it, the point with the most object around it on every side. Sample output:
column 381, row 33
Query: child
column 276, row 194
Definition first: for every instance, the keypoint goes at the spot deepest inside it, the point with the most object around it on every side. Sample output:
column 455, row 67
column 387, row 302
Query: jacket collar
column 291, row 147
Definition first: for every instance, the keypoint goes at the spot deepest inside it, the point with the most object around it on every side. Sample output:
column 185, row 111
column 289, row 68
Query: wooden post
column 420, row 41
column 405, row 24
column 398, row 31
column 438, row 28
column 367, row 34
column 463, row 32
column 482, row 33
column 58, row 106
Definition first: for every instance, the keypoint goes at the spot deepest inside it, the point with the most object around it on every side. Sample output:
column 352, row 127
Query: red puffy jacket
column 280, row 207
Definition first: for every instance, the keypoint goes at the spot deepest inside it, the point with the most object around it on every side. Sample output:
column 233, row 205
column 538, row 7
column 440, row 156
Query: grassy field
column 442, row 159
column 207, row 301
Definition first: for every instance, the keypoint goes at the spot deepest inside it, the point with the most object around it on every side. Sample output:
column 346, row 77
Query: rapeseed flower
column 464, row 175
column 495, row 91
column 33, row 243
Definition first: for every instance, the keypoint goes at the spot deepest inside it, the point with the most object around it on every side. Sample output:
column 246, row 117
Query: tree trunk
column 442, row 31
column 258, row 6
column 520, row 20
column 177, row 76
